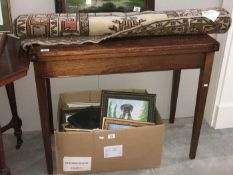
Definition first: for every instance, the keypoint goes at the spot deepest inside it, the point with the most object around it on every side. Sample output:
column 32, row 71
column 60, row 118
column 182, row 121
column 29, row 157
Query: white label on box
column 88, row 2
column 113, row 151
column 111, row 136
column 211, row 14
column 76, row 163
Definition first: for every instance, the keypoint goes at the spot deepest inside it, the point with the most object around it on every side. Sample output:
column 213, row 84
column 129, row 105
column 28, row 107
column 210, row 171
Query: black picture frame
column 3, row 37
column 118, row 104
column 60, row 6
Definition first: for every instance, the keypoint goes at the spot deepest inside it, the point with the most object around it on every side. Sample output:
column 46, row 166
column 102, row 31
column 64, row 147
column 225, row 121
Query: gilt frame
column 5, row 17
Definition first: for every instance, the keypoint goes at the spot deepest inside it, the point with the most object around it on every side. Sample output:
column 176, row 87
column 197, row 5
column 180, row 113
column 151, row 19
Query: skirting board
column 224, row 117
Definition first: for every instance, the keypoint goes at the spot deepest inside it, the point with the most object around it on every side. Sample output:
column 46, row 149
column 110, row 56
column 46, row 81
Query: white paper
column 76, row 163
column 111, row 136
column 88, row 2
column 1, row 18
column 113, row 151
column 136, row 9
column 211, row 14
column 81, row 105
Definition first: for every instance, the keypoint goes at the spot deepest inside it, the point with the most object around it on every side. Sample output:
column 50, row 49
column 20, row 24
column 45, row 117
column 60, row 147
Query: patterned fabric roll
column 94, row 27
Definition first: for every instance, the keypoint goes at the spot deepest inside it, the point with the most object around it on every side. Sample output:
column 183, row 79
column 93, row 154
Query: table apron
column 101, row 66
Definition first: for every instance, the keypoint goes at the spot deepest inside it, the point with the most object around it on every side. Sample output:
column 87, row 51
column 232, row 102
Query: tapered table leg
column 174, row 95
column 3, row 168
column 15, row 122
column 44, row 115
column 48, row 87
column 204, row 80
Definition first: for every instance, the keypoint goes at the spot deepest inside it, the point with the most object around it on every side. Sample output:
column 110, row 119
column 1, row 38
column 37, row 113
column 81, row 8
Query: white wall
column 159, row 82
column 220, row 99
column 185, row 4
column 25, row 88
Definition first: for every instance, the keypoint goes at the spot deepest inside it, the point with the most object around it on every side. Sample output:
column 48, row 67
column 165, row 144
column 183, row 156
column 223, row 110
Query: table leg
column 15, row 122
column 204, row 80
column 174, row 96
column 3, row 168
column 48, row 87
column 44, row 115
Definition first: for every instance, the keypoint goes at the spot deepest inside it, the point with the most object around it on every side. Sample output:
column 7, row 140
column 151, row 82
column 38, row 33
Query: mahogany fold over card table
column 13, row 66
column 124, row 55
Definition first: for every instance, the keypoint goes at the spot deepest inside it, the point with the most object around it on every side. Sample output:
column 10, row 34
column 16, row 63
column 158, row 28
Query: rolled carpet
column 78, row 28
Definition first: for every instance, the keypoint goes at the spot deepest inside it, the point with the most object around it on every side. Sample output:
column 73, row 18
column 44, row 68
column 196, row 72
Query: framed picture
column 2, row 41
column 114, row 123
column 73, row 6
column 5, row 17
column 69, row 128
column 128, row 105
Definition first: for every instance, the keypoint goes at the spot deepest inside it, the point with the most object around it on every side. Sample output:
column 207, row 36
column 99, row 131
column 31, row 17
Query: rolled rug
column 79, row 28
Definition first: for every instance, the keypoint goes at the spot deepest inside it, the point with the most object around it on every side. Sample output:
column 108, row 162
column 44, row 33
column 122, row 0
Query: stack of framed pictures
column 116, row 110
column 125, row 110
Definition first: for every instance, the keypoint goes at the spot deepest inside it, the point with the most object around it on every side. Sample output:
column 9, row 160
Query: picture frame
column 62, row 6
column 113, row 123
column 128, row 105
column 3, row 37
column 69, row 128
column 5, row 17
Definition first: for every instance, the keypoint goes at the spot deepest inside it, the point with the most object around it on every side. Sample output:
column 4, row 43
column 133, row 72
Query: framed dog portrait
column 114, row 123
column 128, row 105
column 5, row 17
column 74, row 6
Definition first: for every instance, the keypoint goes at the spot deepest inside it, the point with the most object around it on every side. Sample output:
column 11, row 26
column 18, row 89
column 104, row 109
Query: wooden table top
column 13, row 61
column 134, row 46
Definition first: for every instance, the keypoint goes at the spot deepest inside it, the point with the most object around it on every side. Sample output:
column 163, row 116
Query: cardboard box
column 107, row 150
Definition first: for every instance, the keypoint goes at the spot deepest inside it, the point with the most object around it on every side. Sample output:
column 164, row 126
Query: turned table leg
column 3, row 168
column 15, row 122
column 174, row 95
column 41, row 86
column 203, row 85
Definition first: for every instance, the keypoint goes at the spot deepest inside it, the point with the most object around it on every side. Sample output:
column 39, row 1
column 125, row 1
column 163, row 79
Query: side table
column 13, row 65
